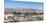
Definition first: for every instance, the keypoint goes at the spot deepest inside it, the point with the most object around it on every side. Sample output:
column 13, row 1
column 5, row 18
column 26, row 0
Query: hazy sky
column 14, row 4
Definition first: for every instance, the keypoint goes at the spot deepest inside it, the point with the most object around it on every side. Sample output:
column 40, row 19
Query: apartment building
column 26, row 10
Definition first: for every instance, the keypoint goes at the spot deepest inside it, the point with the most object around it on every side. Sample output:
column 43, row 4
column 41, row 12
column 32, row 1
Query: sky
column 30, row 0
column 22, row 3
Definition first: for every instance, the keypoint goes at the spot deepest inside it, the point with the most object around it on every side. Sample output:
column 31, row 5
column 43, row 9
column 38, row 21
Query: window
column 10, row 17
